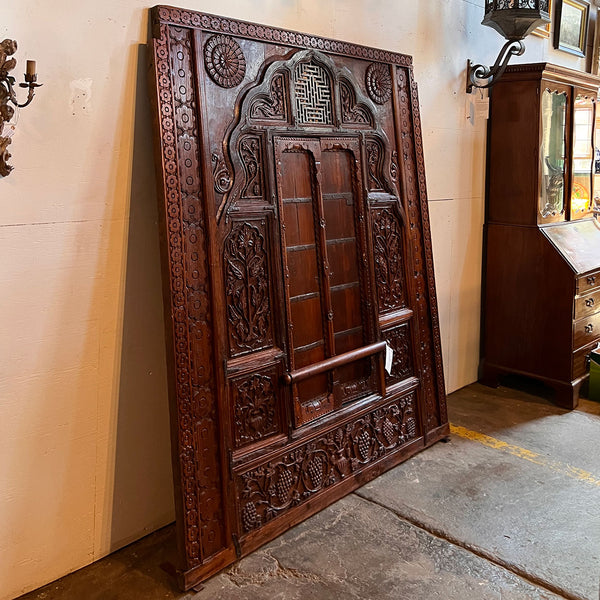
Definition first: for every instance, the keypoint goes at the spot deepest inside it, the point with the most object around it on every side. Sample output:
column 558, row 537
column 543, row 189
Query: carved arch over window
column 280, row 100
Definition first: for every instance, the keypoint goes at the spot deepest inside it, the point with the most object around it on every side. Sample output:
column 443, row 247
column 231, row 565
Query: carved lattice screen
column 296, row 259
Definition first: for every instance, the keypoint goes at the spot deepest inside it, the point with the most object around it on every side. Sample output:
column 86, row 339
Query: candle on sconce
column 30, row 67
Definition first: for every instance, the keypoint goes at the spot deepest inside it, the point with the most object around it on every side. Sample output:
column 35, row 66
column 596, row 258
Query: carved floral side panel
column 256, row 401
column 246, row 270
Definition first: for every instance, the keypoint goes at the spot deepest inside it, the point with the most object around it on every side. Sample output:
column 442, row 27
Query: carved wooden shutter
column 296, row 256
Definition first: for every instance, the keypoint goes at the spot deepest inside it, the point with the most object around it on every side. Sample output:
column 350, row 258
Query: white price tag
column 389, row 357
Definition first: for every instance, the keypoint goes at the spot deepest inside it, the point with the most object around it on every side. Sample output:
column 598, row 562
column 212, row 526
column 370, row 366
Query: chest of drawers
column 541, row 300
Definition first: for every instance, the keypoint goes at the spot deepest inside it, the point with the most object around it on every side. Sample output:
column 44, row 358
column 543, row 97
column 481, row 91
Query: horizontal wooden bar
column 332, row 363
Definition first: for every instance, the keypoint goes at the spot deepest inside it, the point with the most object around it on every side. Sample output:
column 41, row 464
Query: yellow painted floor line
column 534, row 457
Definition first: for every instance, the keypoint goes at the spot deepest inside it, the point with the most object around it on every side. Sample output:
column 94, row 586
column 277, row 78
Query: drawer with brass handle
column 581, row 361
column 586, row 330
column 588, row 282
column 587, row 305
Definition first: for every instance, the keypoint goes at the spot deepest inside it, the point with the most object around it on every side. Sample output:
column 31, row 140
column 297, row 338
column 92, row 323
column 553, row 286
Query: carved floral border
column 213, row 23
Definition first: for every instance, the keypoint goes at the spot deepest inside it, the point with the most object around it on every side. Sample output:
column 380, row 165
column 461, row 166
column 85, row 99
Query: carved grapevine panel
column 256, row 414
column 296, row 476
column 247, row 288
column 388, row 257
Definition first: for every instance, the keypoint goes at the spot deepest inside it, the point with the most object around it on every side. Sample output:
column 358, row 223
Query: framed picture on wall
column 596, row 54
column 570, row 26
column 544, row 30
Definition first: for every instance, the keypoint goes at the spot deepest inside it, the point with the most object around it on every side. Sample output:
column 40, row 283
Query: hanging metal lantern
column 514, row 20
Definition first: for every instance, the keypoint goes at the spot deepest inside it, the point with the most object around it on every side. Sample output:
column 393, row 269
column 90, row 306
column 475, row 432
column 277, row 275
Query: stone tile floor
column 509, row 509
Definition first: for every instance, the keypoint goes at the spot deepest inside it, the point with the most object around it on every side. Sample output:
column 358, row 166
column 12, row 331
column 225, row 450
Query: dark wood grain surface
column 296, row 253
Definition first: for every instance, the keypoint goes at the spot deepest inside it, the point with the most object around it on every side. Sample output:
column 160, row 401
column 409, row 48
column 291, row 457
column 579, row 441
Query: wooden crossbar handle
column 332, row 363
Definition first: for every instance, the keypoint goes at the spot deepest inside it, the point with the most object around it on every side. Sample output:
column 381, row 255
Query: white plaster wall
column 84, row 451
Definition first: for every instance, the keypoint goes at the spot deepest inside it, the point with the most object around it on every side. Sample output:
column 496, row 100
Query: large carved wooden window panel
column 296, row 255
column 326, row 285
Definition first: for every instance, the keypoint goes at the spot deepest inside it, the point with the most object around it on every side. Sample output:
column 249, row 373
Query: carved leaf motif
column 375, row 164
column 255, row 410
column 247, row 289
column 221, row 175
column 387, row 253
column 353, row 113
column 251, row 155
column 273, row 106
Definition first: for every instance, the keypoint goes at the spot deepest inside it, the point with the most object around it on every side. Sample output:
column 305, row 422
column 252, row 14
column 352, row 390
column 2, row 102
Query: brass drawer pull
column 591, row 279
column 589, row 328
column 590, row 302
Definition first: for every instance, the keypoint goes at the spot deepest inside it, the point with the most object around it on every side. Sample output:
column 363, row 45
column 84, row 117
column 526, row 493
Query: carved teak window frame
column 252, row 453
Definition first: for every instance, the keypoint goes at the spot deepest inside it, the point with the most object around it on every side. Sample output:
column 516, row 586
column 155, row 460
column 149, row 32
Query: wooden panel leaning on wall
column 296, row 256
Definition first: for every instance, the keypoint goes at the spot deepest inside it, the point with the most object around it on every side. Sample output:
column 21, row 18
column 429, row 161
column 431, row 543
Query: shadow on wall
column 143, row 485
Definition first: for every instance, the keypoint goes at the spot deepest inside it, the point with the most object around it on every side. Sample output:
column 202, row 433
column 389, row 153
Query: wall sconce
column 514, row 20
column 8, row 96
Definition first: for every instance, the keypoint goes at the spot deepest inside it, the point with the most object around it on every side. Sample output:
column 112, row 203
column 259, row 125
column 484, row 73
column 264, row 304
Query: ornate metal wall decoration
column 247, row 288
column 224, row 61
column 379, row 82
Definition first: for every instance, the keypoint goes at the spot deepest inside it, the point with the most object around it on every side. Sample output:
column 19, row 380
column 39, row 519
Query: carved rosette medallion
column 224, row 61
column 378, row 82
column 247, row 289
column 255, row 412
column 387, row 252
column 293, row 478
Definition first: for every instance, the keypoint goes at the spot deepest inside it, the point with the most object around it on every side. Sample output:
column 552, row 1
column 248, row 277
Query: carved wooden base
column 566, row 393
column 189, row 579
